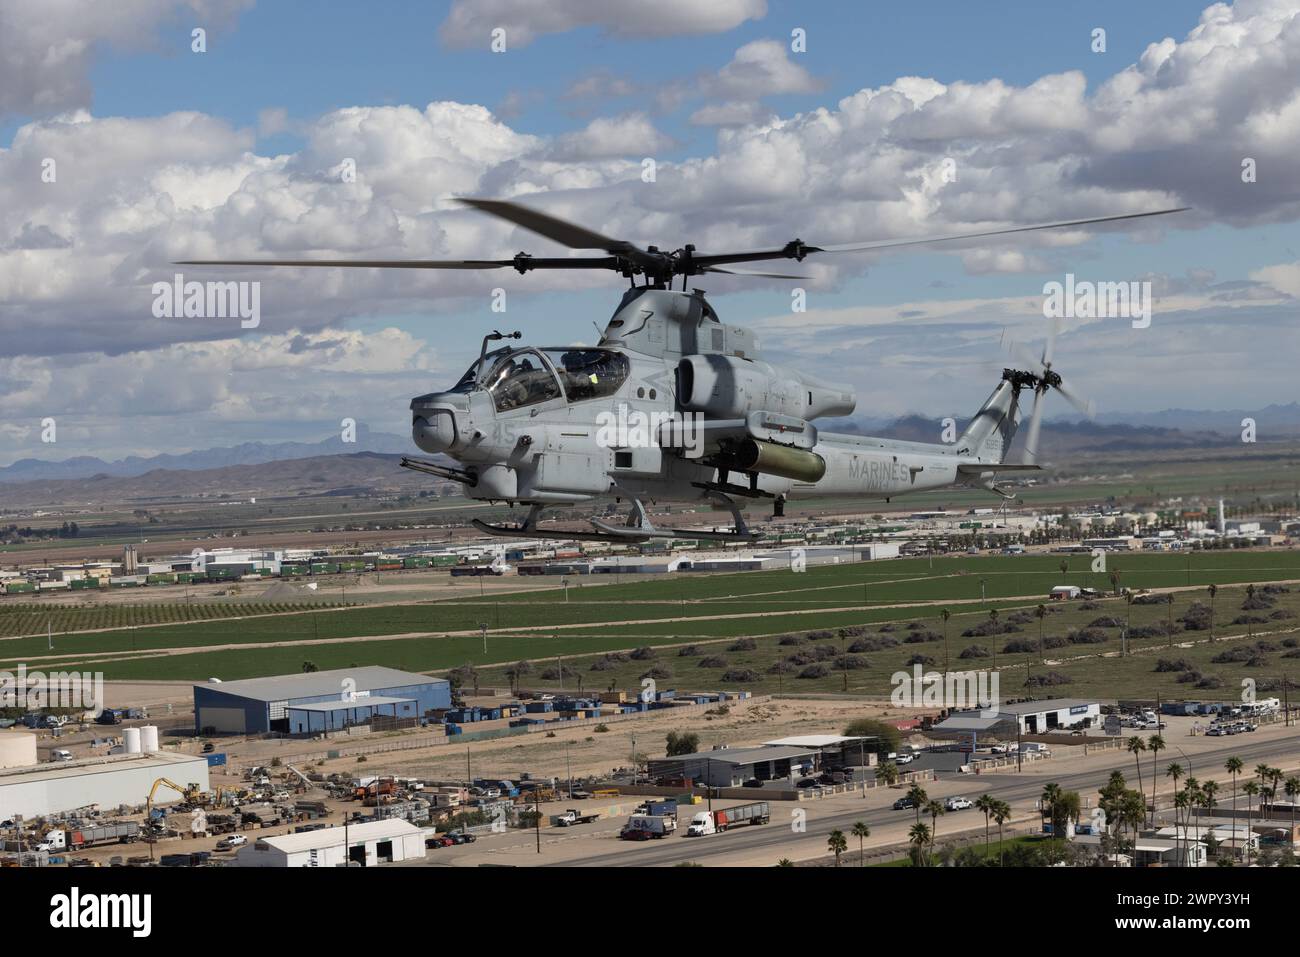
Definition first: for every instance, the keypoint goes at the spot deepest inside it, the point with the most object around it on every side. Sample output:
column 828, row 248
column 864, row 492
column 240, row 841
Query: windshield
column 590, row 373
column 522, row 378
column 470, row 379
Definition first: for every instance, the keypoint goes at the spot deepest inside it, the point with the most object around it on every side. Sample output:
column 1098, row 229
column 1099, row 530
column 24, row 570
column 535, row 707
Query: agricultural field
column 30, row 618
column 843, row 628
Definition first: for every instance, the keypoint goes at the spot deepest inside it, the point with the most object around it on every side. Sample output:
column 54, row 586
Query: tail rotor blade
column 1030, row 455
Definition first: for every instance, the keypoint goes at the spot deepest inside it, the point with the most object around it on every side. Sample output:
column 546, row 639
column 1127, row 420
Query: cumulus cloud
column 79, row 255
column 47, row 48
column 471, row 22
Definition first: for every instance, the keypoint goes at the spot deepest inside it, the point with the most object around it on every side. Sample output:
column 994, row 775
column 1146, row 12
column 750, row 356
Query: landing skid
column 637, row 528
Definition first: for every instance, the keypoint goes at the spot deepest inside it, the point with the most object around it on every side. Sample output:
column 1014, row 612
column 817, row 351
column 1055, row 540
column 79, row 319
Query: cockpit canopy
column 522, row 377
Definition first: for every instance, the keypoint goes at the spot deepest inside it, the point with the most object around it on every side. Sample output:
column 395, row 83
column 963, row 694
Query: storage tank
column 149, row 739
column 132, row 738
column 17, row 749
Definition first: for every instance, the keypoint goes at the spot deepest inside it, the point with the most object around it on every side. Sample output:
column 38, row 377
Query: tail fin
column 989, row 434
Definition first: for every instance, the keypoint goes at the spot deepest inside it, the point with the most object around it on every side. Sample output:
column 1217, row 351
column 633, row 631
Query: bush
column 814, row 671
column 603, row 664
column 924, row 660
column 644, row 653
column 555, row 673
column 974, row 651
column 1210, row 682
column 687, row 651
column 851, row 663
column 987, row 628
column 1087, row 636
column 885, row 737
column 740, row 675
column 788, row 640
column 1047, row 680
column 1281, row 615
column 1197, row 618
column 679, row 743
column 743, row 644
column 713, row 661
column 781, row 668
column 657, row 673
column 820, row 636
column 1106, row 621
column 1166, row 665
column 1249, row 620
column 1018, row 646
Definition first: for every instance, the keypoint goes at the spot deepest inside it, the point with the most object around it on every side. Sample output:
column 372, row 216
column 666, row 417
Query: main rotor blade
column 894, row 244
column 524, row 262
column 757, row 275
column 559, row 230
column 1049, row 347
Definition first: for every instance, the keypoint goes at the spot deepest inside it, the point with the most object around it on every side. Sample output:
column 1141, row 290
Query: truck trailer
column 712, row 822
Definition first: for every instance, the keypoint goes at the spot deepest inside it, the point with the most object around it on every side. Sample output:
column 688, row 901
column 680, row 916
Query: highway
column 1016, row 789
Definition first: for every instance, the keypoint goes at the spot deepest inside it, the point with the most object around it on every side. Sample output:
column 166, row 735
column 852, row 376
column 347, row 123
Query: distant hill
column 319, row 475
column 248, row 453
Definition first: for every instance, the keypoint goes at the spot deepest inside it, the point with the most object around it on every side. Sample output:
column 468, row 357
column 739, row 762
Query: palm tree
column 837, row 844
column 945, row 614
column 993, row 636
column 916, row 794
column 1155, row 744
column 1181, row 801
column 1292, row 789
column 1040, row 613
column 1213, row 590
column 919, row 836
column 887, row 773
column 1065, row 568
column 934, row 809
column 1135, row 747
column 986, row 802
column 1250, row 789
column 1233, row 766
column 861, row 831
column 1001, row 814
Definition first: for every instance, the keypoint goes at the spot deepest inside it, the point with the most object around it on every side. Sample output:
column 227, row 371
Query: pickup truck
column 644, row 827
column 572, row 817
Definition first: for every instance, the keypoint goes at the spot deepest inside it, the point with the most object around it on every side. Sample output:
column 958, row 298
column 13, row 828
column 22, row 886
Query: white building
column 369, row 843
column 109, row 781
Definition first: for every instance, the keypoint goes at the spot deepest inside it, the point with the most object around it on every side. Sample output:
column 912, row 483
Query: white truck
column 713, row 822
column 645, row 827
column 571, row 817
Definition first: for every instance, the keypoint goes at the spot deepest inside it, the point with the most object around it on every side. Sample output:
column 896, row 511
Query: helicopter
column 674, row 405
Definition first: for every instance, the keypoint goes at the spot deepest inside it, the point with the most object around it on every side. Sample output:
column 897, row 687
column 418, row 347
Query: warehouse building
column 1025, row 717
column 732, row 767
column 48, row 789
column 368, row 845
column 280, row 704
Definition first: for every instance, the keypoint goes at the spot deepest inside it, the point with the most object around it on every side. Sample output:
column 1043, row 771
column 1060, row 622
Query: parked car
column 208, row 747
column 904, row 804
column 461, row 837
column 232, row 841
column 806, row 783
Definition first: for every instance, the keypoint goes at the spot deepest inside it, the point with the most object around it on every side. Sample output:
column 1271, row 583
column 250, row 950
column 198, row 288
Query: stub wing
column 978, row 468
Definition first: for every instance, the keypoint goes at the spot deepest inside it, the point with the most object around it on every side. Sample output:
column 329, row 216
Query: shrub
column 644, row 653
column 792, row 640
column 1166, row 665
column 1086, row 636
column 687, row 651
column 740, row 675
column 1048, row 680
column 974, row 651
column 1106, row 621
column 658, row 673
column 814, row 671
column 925, row 660
column 743, row 644
column 781, row 668
column 713, row 661
column 851, row 663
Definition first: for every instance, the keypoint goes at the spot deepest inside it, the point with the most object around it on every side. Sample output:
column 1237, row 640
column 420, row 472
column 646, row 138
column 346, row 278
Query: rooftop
column 1050, row 704
column 811, row 741
column 58, row 770
column 332, row 836
column 315, row 683
column 735, row 756
column 370, row 701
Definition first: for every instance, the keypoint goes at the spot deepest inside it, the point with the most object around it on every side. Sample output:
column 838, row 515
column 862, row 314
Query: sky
column 124, row 149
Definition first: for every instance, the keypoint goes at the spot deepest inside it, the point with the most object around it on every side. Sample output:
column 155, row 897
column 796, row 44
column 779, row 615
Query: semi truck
column 644, row 827
column 712, row 822
column 77, row 838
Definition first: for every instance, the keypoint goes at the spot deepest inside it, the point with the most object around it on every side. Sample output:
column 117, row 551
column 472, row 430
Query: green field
column 659, row 612
column 30, row 618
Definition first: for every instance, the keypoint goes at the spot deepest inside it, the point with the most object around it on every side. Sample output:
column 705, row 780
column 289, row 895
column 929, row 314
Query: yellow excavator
column 192, row 793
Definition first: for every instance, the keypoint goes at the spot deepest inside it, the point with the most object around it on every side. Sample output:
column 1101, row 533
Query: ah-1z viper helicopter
column 674, row 405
